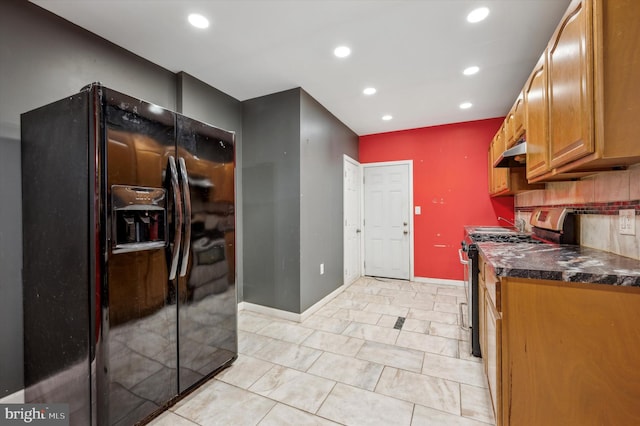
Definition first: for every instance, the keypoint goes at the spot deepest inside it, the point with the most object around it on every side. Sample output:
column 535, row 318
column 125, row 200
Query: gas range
column 548, row 225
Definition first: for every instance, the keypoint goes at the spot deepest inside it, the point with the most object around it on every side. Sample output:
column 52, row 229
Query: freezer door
column 207, row 306
column 138, row 369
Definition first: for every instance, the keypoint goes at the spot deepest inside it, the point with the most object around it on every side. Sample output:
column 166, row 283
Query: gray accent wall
column 292, row 170
column 200, row 101
column 271, row 200
column 323, row 141
column 44, row 58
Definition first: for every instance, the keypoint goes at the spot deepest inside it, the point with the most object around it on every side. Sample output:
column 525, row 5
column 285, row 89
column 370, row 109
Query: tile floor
column 348, row 365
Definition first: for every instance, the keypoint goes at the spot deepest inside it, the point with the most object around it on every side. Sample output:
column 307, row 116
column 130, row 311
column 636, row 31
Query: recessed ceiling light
column 466, row 105
column 369, row 91
column 342, row 51
column 386, row 117
column 198, row 20
column 471, row 70
column 478, row 14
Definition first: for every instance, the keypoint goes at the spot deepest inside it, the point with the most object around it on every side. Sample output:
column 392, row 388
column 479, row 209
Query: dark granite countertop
column 561, row 263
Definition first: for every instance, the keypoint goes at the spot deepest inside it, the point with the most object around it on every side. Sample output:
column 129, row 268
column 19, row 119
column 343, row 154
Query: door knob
column 405, row 232
column 357, row 231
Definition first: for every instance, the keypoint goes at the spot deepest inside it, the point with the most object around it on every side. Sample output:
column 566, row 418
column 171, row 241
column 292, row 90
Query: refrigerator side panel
column 207, row 302
column 57, row 285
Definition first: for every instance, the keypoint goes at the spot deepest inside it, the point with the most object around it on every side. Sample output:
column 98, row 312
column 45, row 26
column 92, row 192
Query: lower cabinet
column 491, row 336
column 493, row 355
column 558, row 353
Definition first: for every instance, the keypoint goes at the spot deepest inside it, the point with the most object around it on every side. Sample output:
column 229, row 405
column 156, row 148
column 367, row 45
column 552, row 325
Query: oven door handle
column 464, row 262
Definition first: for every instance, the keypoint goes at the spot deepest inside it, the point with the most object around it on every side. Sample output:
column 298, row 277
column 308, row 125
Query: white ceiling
column 412, row 51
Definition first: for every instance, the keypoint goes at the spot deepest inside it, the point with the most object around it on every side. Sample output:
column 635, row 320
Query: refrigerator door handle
column 177, row 208
column 186, row 194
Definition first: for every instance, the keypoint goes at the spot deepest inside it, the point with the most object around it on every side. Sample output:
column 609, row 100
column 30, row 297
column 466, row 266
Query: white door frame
column 411, row 210
column 347, row 159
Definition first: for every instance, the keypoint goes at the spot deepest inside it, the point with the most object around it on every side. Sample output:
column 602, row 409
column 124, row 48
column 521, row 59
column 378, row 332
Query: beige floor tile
column 244, row 372
column 283, row 415
column 295, row 388
column 425, row 416
column 430, row 315
column 476, row 403
column 391, row 355
column 286, row 331
column 424, row 303
column 251, row 321
column 348, row 370
column 347, row 304
column 416, row 325
column 171, row 419
column 363, row 289
column 356, row 407
column 336, row 343
column 388, row 321
column 358, row 316
column 332, row 360
column 458, row 291
column 409, row 292
column 431, row 392
column 428, row 343
column 387, row 309
column 451, row 331
column 288, row 354
column 458, row 370
column 371, row 332
column 452, row 308
column 217, row 403
column 424, row 288
column 389, row 284
column 331, row 325
column 445, row 298
column 250, row 343
column 327, row 310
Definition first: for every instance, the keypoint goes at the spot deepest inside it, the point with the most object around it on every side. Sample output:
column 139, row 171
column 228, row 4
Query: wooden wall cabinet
column 570, row 90
column 515, row 122
column 537, row 120
column 592, row 91
column 498, row 177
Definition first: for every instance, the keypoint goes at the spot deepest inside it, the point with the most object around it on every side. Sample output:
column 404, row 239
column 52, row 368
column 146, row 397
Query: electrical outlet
column 322, row 269
column 627, row 222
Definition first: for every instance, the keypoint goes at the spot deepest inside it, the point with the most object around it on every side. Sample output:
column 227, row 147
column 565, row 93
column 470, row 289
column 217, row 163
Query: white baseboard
column 457, row 283
column 290, row 316
column 14, row 398
column 272, row 312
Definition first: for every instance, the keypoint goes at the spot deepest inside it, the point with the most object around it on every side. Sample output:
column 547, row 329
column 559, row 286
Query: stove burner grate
column 504, row 238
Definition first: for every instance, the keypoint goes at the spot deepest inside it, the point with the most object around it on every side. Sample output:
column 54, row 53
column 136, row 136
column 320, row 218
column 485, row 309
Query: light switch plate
column 418, row 210
column 627, row 222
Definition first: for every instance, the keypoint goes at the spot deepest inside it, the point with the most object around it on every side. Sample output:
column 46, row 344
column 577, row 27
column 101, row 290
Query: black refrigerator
column 128, row 255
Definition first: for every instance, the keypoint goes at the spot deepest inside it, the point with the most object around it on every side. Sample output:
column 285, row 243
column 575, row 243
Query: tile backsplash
column 597, row 200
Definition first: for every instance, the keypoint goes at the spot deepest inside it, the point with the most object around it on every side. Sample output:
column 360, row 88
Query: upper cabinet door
column 536, row 108
column 571, row 119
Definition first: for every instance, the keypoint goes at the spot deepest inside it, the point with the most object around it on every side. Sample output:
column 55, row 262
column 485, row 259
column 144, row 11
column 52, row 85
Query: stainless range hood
column 513, row 157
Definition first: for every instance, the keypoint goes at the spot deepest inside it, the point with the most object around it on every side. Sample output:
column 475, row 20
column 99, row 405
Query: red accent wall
column 450, row 184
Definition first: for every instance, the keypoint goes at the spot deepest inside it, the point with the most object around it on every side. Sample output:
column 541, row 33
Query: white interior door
column 387, row 223
column 352, row 220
